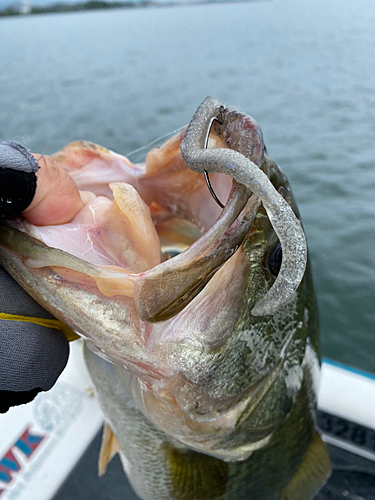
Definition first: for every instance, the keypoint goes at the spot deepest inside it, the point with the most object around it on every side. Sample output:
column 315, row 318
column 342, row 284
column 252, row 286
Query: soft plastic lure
column 246, row 172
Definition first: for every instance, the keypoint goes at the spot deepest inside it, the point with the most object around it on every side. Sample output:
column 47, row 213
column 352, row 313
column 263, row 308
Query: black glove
column 33, row 350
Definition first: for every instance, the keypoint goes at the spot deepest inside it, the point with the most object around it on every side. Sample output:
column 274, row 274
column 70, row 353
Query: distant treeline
column 64, row 7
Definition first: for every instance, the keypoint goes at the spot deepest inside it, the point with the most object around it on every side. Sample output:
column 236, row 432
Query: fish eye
column 275, row 258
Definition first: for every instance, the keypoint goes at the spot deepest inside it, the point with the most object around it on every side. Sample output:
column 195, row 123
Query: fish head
column 164, row 284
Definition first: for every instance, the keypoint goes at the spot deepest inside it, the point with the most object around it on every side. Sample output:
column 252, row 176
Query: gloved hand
column 33, row 349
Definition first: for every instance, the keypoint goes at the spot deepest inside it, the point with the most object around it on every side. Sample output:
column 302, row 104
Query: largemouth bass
column 201, row 324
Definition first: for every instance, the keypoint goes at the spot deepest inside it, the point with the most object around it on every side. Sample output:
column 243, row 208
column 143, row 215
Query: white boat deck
column 348, row 393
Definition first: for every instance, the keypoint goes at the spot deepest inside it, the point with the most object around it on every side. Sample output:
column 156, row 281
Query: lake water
column 304, row 69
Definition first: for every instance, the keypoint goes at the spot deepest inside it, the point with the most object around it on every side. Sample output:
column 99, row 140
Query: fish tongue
column 162, row 292
column 128, row 233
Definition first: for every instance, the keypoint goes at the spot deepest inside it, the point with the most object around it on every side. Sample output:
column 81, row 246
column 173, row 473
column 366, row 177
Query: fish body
column 207, row 398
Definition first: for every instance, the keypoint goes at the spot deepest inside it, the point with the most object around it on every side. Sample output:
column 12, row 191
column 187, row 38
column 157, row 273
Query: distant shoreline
column 57, row 7
column 24, row 8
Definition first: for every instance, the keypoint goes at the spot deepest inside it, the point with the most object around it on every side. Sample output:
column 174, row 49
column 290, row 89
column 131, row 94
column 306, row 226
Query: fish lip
column 233, row 117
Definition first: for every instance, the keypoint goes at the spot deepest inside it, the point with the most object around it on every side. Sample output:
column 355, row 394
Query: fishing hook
column 213, row 194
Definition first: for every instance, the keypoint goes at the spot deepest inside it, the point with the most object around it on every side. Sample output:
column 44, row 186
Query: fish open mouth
column 153, row 236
